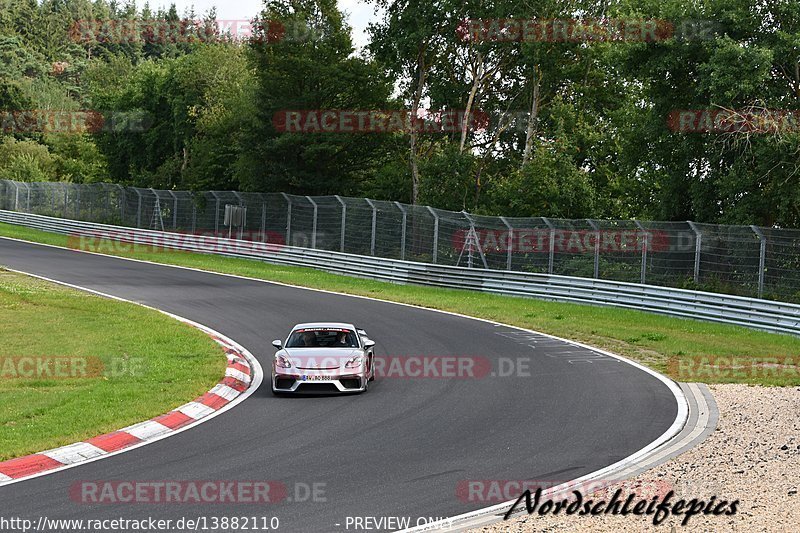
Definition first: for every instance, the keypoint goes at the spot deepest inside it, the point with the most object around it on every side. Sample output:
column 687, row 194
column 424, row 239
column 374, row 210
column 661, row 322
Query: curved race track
column 399, row 450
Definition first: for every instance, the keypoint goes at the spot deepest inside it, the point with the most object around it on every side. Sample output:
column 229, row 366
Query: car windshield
column 322, row 338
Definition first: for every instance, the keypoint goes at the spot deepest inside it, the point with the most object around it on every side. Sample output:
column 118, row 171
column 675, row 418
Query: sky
column 360, row 13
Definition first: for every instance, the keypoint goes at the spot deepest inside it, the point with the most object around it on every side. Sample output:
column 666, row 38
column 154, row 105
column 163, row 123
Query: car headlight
column 354, row 362
column 283, row 361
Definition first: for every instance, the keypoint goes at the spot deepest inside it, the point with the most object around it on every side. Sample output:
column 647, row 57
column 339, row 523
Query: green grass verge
column 658, row 341
column 128, row 364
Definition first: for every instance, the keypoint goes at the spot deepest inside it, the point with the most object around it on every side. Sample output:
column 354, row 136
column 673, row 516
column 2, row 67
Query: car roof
column 339, row 325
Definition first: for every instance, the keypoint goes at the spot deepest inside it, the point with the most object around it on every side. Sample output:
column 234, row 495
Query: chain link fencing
column 742, row 260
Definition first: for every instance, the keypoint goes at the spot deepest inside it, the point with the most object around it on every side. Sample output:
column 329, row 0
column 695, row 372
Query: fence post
column 596, row 229
column 762, row 259
column 314, row 224
column 263, row 219
column 16, row 196
column 374, row 226
column 403, row 230
column 194, row 215
column 216, row 214
column 645, row 246
column 108, row 203
column 698, row 240
column 66, row 200
column 122, row 201
column 510, row 241
column 552, row 245
column 435, row 233
column 138, row 208
column 344, row 222
column 288, row 218
column 78, row 203
column 174, row 209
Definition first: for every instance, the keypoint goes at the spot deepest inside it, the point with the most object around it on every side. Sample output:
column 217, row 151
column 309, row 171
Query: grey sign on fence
column 743, row 260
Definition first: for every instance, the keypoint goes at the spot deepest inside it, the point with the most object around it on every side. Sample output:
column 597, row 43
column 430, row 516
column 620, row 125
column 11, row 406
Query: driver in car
column 341, row 340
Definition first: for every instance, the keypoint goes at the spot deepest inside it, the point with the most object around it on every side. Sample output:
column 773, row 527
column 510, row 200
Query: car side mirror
column 369, row 343
column 278, row 344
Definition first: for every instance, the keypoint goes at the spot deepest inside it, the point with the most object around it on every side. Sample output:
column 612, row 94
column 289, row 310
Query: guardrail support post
column 344, row 222
column 762, row 259
column 698, row 248
column 435, row 234
column 374, row 225
column 510, row 241
column 596, row 229
column 288, row 218
column 314, row 224
column 552, row 245
column 402, row 230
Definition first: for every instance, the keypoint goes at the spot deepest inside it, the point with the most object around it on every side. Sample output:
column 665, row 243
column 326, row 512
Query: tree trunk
column 413, row 136
column 533, row 117
column 477, row 78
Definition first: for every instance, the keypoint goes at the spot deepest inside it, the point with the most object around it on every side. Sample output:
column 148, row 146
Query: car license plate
column 318, row 378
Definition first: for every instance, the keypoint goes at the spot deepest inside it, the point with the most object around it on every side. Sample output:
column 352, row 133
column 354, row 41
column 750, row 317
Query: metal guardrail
column 749, row 312
column 742, row 260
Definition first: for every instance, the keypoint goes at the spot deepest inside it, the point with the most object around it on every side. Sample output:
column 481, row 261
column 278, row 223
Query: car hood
column 320, row 358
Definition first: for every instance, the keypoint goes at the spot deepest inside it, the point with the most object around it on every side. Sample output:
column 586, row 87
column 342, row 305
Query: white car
column 323, row 358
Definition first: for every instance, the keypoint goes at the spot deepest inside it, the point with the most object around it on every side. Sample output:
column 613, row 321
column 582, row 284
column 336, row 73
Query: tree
column 310, row 68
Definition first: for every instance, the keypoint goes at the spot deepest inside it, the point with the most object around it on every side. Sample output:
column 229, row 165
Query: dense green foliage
column 576, row 128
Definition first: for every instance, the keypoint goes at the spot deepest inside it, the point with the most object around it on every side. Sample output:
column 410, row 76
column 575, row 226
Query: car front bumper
column 317, row 384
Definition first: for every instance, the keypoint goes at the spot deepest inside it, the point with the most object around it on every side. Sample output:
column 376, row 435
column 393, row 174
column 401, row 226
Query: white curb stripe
column 74, row 453
column 237, row 374
column 225, row 392
column 146, row 430
column 195, row 410
column 151, row 431
column 236, row 359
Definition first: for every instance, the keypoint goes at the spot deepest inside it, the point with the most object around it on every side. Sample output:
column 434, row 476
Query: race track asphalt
column 400, row 450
